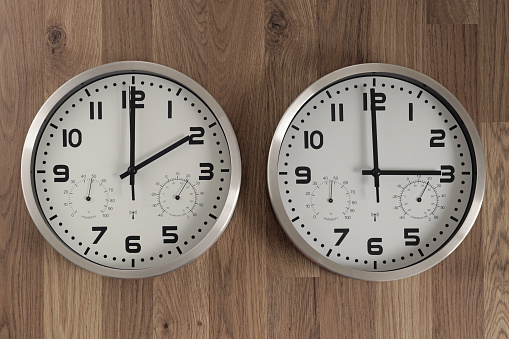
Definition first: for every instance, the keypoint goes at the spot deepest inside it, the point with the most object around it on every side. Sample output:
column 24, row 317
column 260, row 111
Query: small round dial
column 418, row 199
column 404, row 145
column 330, row 200
column 150, row 123
column 178, row 197
column 89, row 198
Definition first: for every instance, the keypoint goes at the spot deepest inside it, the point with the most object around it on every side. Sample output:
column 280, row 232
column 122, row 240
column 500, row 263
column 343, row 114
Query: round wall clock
column 376, row 172
column 131, row 170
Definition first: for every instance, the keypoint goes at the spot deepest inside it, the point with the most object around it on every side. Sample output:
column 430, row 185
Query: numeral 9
column 303, row 172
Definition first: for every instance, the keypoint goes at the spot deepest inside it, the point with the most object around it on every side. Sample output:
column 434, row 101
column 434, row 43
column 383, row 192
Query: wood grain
column 495, row 218
column 255, row 57
column 452, row 12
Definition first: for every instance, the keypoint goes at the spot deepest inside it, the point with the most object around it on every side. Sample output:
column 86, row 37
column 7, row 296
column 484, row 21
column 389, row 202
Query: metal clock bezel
column 274, row 189
column 72, row 86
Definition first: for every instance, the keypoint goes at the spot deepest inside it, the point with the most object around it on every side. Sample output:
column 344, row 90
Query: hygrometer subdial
column 330, row 200
column 418, row 199
column 178, row 196
column 89, row 198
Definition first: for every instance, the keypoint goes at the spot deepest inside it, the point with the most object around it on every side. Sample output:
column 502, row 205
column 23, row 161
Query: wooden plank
column 181, row 298
column 71, row 294
column 452, row 12
column 179, row 36
column 404, row 308
column 73, row 40
column 291, row 317
column 494, row 220
column 234, row 71
column 21, row 245
column 396, row 33
column 129, row 305
column 181, row 302
column 128, row 36
column 493, row 62
column 346, row 307
column 396, row 37
column 454, row 48
column 128, row 30
column 290, row 66
column 343, row 33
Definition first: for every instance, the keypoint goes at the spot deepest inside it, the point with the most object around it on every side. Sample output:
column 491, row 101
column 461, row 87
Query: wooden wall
column 254, row 57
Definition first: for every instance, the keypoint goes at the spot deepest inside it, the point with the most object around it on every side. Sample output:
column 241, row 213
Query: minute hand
column 403, row 172
column 156, row 156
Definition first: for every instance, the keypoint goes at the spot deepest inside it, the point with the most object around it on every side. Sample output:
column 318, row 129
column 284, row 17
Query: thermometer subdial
column 418, row 199
column 331, row 200
column 177, row 197
column 89, row 198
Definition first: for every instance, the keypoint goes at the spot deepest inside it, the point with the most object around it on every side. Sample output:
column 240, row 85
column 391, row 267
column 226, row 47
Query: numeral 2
column 434, row 141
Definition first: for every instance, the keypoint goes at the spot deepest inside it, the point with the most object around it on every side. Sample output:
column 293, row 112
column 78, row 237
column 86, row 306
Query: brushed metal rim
column 84, row 78
column 274, row 190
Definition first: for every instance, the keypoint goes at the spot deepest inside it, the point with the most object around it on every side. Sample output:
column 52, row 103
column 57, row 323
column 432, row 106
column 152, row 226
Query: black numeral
column 131, row 246
column 377, row 99
column 99, row 110
column 303, row 172
column 343, row 232
column 339, row 115
column 171, row 237
column 373, row 247
column 101, row 230
column 448, row 173
column 61, row 171
column 208, row 170
column 411, row 239
column 313, row 139
column 433, row 142
column 134, row 96
column 201, row 133
column 73, row 138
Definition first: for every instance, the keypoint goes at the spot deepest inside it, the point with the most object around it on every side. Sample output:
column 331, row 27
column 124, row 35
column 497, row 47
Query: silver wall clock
column 376, row 172
column 131, row 170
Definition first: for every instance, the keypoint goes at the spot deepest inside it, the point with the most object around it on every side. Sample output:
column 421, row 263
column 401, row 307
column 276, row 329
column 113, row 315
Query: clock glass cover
column 376, row 172
column 131, row 169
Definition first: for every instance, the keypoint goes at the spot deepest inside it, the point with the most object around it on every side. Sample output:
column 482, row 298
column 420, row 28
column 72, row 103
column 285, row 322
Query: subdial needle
column 330, row 192
column 177, row 197
column 419, row 198
column 89, row 190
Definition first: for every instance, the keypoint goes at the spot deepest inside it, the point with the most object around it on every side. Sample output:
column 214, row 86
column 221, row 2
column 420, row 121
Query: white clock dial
column 376, row 172
column 131, row 169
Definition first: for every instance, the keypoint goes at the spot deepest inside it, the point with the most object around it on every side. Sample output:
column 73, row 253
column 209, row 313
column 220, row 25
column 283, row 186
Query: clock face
column 131, row 170
column 376, row 172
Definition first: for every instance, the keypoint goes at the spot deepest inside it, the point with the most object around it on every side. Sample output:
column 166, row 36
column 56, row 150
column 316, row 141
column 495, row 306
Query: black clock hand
column 374, row 138
column 132, row 121
column 155, row 156
column 402, row 172
column 419, row 198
